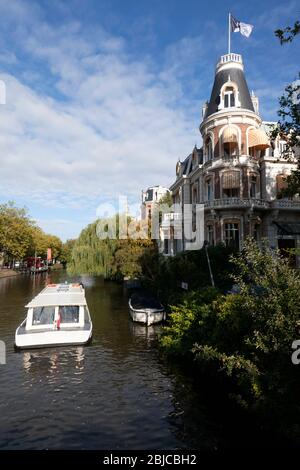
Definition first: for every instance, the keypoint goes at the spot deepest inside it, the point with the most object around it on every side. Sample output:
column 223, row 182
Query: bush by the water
column 190, row 267
column 246, row 336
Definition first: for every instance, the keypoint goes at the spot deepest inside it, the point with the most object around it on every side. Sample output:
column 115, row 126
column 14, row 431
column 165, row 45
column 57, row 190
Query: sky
column 103, row 97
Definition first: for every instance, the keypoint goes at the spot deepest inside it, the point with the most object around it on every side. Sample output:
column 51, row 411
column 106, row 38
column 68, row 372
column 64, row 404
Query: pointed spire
column 229, row 69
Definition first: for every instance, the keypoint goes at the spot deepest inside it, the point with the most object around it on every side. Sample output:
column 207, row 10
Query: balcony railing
column 285, row 204
column 236, row 202
column 171, row 216
column 230, row 58
column 232, row 159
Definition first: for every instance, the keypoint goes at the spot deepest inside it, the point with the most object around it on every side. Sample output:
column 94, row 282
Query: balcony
column 224, row 59
column 285, row 204
column 226, row 160
column 236, row 202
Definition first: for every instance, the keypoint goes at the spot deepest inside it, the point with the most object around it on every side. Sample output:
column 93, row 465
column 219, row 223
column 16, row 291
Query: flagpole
column 229, row 29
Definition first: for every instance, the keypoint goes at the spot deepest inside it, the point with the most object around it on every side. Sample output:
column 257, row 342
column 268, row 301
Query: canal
column 116, row 393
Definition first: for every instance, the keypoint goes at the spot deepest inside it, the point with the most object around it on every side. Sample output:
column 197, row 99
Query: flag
column 237, row 26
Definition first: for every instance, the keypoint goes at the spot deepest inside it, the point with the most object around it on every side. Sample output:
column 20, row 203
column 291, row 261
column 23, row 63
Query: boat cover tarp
column 142, row 301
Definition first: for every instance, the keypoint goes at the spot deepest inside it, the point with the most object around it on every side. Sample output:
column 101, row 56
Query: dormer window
column 229, row 101
column 229, row 95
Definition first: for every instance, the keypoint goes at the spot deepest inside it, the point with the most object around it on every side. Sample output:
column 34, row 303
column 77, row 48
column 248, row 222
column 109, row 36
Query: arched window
column 232, row 234
column 231, row 184
column 230, row 149
column 208, row 149
column 253, row 186
column 209, row 189
column 230, row 142
column 210, row 234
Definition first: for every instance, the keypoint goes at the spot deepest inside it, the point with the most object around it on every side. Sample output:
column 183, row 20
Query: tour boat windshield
column 69, row 314
column 43, row 315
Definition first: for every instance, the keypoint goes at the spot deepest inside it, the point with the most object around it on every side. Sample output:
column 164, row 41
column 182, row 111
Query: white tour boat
column 146, row 309
column 58, row 315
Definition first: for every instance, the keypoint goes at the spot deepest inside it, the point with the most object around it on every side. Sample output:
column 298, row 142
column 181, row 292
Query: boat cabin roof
column 59, row 294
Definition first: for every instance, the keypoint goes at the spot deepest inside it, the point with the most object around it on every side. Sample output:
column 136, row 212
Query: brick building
column 239, row 173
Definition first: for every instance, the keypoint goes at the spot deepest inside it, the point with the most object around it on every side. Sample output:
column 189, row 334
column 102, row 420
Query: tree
column 66, row 251
column 112, row 258
column 247, row 336
column 287, row 34
column 130, row 255
column 93, row 255
column 41, row 241
column 55, row 244
column 288, row 126
column 15, row 231
column 21, row 237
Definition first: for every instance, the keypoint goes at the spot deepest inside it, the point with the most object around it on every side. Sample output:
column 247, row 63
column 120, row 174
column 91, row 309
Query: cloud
column 111, row 124
column 276, row 16
column 91, row 115
column 66, row 226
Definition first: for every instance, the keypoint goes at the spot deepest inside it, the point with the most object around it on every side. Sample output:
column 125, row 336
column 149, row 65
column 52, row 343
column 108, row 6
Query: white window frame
column 30, row 326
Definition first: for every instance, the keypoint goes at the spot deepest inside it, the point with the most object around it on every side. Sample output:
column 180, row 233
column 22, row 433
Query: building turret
column 231, row 123
column 230, row 89
column 238, row 175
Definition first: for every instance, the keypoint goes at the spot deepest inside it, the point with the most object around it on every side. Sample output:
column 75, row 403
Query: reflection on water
column 146, row 333
column 115, row 393
column 52, row 362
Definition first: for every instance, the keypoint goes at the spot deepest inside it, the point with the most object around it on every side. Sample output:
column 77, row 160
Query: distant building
column 150, row 198
column 239, row 173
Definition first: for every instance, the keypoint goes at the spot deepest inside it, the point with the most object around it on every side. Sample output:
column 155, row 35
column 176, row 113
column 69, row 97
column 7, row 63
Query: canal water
column 116, row 393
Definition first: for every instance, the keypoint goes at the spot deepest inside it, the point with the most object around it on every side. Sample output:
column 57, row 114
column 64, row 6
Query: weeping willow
column 91, row 255
column 110, row 258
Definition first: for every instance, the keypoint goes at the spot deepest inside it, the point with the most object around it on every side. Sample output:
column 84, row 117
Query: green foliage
column 187, row 321
column 166, row 199
column 246, row 336
column 288, row 126
column 21, row 237
column 66, row 251
column 190, row 267
column 41, row 241
column 15, row 231
column 130, row 255
column 112, row 258
column 91, row 255
column 287, row 34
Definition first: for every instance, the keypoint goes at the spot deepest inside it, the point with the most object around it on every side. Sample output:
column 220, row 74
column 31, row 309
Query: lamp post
column 208, row 262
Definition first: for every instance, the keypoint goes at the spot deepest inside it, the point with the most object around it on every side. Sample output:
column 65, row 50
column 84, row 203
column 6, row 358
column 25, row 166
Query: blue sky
column 103, row 97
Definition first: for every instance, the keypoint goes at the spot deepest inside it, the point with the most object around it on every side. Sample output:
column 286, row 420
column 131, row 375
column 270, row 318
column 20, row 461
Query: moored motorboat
column 58, row 315
column 146, row 309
